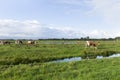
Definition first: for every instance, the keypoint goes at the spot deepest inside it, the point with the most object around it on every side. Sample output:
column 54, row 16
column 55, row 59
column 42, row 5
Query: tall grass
column 51, row 50
column 100, row 69
column 32, row 62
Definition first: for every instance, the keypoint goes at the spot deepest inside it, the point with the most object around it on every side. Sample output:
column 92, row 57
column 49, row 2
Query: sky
column 59, row 18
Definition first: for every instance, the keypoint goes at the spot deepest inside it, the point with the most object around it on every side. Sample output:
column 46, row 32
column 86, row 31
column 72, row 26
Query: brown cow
column 4, row 42
column 91, row 43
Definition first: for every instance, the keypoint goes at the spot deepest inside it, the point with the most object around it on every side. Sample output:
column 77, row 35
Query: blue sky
column 59, row 18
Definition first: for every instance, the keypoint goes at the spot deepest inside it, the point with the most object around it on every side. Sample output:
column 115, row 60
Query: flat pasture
column 33, row 62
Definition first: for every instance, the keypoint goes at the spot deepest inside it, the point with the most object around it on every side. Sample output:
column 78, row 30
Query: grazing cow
column 91, row 43
column 4, row 42
column 31, row 42
column 18, row 42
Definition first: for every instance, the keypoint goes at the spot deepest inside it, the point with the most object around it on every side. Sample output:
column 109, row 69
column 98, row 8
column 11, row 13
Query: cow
column 4, row 42
column 91, row 43
column 31, row 42
column 18, row 42
column 1, row 42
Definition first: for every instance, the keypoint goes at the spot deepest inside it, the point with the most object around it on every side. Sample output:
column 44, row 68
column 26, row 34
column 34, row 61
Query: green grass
column 42, row 52
column 100, row 69
column 32, row 62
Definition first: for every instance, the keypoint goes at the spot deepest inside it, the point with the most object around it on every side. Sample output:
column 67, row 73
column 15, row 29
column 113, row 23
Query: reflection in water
column 69, row 59
column 79, row 58
column 114, row 55
column 99, row 57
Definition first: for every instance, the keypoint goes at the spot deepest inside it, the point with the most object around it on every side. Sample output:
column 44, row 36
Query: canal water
column 69, row 59
column 79, row 58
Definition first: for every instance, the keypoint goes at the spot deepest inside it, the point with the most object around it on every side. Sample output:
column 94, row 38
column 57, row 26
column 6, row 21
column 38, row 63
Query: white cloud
column 34, row 29
column 15, row 28
column 100, row 34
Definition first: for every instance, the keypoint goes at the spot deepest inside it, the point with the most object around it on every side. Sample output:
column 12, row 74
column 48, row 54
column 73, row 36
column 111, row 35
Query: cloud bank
column 33, row 29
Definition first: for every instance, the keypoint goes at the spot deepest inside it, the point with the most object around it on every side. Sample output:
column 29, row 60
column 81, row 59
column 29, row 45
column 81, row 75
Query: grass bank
column 99, row 69
column 46, row 51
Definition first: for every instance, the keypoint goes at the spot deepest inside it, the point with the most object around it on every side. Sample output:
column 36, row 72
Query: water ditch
column 79, row 58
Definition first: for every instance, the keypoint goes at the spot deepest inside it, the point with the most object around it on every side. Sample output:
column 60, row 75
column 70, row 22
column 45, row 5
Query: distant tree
column 117, row 38
column 87, row 37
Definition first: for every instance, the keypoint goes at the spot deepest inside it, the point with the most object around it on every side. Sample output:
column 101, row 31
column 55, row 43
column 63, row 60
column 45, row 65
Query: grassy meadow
column 33, row 62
